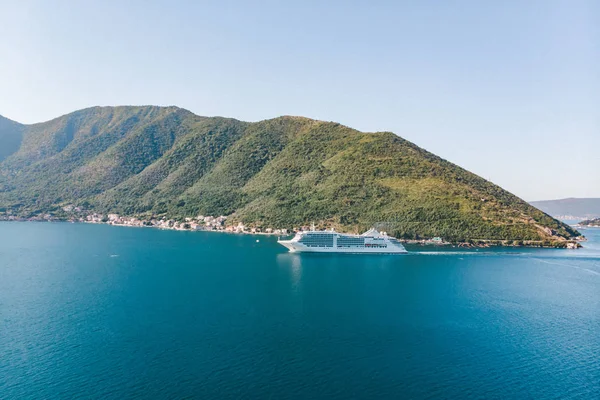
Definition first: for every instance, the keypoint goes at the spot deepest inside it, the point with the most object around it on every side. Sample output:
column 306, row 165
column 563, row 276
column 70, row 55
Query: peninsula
column 167, row 164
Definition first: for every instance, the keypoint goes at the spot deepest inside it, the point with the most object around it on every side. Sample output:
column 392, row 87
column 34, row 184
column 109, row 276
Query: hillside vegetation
column 283, row 172
column 11, row 135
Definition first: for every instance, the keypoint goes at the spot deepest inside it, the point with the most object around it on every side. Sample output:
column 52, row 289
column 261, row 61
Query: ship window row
column 369, row 246
column 330, row 238
column 351, row 241
column 315, row 241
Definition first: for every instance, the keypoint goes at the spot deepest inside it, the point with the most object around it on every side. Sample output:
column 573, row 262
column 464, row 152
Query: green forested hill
column 283, row 172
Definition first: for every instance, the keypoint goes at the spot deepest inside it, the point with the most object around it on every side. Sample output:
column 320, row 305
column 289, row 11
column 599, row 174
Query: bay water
column 102, row 312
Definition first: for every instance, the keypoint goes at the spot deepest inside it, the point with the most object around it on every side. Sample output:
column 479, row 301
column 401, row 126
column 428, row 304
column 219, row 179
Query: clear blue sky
column 507, row 89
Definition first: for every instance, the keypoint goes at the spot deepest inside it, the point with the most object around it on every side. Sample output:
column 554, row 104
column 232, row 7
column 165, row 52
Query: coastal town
column 199, row 223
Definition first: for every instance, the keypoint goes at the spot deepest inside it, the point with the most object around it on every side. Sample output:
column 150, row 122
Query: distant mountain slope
column 11, row 136
column 283, row 172
column 579, row 208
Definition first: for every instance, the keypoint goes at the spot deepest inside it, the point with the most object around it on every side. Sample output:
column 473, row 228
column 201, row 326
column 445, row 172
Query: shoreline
column 474, row 243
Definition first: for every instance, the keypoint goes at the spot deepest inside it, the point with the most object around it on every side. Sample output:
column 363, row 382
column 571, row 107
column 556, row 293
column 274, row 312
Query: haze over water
column 94, row 311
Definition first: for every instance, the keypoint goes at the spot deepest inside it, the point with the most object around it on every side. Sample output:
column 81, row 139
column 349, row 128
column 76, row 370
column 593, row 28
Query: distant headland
column 590, row 222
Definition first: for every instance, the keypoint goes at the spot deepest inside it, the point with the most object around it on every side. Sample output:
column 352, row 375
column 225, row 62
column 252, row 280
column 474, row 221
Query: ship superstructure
column 371, row 241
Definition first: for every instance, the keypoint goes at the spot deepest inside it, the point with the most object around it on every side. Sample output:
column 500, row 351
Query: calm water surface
column 93, row 311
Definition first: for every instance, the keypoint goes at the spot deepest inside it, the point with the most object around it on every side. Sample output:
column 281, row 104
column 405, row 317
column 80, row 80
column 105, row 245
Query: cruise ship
column 370, row 242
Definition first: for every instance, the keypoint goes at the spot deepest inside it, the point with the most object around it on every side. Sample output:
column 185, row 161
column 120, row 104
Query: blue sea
column 102, row 312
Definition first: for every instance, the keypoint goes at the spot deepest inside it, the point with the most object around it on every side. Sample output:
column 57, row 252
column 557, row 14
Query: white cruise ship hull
column 371, row 242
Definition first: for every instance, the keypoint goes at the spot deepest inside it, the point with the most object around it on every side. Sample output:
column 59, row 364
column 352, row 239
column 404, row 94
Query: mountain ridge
column 11, row 136
column 579, row 208
column 286, row 171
